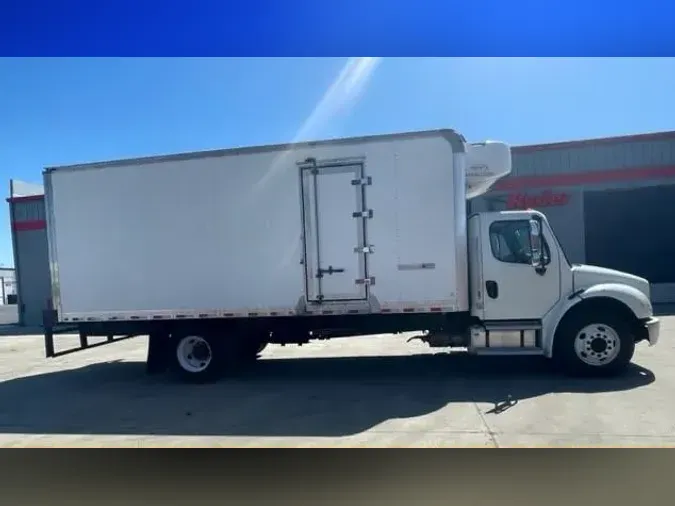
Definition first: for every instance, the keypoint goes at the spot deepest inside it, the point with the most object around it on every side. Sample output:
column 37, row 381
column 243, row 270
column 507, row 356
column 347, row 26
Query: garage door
column 631, row 230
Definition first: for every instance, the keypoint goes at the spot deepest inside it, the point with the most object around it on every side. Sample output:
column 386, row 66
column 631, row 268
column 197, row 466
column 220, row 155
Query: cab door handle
column 492, row 289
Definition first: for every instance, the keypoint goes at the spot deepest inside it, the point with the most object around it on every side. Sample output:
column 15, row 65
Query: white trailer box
column 372, row 224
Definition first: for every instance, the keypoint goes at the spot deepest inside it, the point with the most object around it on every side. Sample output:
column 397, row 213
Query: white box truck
column 213, row 255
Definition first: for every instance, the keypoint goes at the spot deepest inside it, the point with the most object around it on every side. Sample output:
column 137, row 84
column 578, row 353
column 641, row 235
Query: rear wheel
column 197, row 358
column 590, row 345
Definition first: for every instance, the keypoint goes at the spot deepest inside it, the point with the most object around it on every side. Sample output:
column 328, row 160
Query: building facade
column 31, row 259
column 609, row 201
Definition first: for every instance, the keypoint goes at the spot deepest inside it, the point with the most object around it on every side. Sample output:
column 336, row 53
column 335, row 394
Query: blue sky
column 62, row 111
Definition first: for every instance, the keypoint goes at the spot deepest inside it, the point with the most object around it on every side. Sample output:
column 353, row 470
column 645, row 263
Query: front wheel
column 589, row 345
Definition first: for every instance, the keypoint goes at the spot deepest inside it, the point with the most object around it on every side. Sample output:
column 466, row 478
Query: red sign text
column 544, row 199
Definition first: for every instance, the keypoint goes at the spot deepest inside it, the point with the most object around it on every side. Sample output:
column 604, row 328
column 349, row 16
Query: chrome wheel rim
column 597, row 344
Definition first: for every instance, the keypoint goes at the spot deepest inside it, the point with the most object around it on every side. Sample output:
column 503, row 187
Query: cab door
column 513, row 288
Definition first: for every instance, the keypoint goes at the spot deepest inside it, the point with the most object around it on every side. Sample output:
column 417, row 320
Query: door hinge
column 363, row 214
column 365, row 281
column 364, row 249
column 365, row 181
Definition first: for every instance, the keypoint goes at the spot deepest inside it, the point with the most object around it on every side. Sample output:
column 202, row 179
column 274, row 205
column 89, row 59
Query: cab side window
column 510, row 242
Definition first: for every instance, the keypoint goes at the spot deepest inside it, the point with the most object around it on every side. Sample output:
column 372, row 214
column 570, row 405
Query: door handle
column 492, row 289
column 329, row 271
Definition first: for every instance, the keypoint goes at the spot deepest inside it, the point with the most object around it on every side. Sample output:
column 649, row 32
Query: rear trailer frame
column 283, row 331
column 53, row 329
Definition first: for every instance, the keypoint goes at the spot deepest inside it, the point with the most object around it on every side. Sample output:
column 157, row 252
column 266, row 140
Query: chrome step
column 512, row 325
column 508, row 351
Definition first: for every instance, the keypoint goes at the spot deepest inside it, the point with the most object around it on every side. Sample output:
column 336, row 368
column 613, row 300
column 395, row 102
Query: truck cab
column 530, row 298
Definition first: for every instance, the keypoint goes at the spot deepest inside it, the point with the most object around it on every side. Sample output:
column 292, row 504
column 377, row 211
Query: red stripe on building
column 582, row 178
column 25, row 226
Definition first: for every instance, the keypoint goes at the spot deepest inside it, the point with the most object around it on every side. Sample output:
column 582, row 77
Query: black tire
column 211, row 358
column 594, row 353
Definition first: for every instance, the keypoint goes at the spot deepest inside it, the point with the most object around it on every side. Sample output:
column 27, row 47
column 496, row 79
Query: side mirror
column 536, row 249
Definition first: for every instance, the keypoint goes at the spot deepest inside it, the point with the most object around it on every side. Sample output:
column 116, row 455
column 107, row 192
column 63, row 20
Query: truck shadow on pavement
column 311, row 397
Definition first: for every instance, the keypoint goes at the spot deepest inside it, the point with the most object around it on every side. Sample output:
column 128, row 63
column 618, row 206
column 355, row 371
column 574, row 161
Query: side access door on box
column 335, row 222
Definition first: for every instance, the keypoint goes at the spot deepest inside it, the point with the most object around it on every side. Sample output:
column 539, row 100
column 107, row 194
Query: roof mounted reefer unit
column 486, row 163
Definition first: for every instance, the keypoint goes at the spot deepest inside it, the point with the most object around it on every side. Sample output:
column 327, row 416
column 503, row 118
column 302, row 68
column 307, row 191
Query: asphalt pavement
column 370, row 391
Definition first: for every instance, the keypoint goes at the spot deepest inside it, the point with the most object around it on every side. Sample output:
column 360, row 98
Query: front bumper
column 652, row 328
